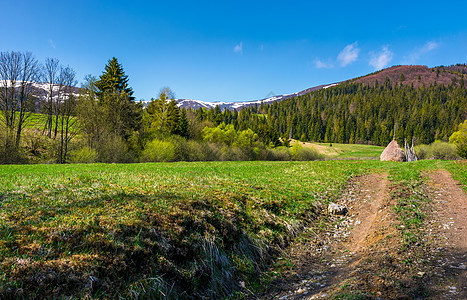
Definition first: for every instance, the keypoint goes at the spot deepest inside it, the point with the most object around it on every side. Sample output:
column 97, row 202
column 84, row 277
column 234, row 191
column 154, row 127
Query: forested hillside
column 362, row 111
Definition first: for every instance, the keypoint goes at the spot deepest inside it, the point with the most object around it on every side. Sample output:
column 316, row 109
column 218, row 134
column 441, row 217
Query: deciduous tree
column 459, row 138
column 18, row 71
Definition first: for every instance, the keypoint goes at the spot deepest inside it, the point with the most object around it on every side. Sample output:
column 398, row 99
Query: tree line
column 46, row 118
column 355, row 113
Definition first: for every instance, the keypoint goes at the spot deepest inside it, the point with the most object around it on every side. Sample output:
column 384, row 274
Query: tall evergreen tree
column 114, row 79
column 183, row 124
column 115, row 96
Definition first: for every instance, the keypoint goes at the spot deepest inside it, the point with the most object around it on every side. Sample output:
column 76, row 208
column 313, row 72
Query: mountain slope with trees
column 364, row 110
column 417, row 76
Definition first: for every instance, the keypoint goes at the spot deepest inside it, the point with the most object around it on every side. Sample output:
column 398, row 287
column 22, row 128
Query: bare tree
column 50, row 77
column 18, row 71
column 66, row 108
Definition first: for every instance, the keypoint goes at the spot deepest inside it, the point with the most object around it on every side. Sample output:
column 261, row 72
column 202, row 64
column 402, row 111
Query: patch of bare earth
column 447, row 232
column 367, row 253
column 343, row 260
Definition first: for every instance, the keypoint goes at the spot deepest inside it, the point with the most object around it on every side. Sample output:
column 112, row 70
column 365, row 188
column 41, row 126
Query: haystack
column 393, row 152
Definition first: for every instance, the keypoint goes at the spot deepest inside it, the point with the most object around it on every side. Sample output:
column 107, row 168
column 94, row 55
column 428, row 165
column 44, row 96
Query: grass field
column 37, row 121
column 108, row 230
column 346, row 151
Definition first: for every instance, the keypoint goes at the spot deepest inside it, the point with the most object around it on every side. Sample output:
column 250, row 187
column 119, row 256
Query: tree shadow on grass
column 188, row 245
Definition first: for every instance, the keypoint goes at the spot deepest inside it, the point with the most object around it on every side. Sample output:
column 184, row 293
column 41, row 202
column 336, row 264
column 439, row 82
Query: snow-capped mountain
column 43, row 90
column 195, row 104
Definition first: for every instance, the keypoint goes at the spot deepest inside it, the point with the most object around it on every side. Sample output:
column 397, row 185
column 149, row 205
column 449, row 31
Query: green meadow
column 153, row 229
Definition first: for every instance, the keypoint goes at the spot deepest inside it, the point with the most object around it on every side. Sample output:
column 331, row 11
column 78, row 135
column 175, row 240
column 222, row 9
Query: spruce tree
column 183, row 124
column 114, row 79
column 122, row 114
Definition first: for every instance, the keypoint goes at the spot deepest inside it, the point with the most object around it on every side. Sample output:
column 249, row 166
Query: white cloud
column 430, row 46
column 418, row 52
column 320, row 64
column 381, row 59
column 238, row 48
column 51, row 42
column 348, row 55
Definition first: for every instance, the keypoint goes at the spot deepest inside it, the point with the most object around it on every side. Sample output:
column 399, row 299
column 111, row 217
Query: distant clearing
column 346, row 151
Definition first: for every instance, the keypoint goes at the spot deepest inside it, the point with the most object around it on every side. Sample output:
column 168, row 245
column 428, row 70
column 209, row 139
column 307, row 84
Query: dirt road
column 448, row 232
column 369, row 254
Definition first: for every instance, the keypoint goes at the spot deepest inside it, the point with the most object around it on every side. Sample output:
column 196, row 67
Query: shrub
column 12, row 155
column 158, row 150
column 299, row 153
column 305, row 154
column 437, row 150
column 113, row 149
column 182, row 148
column 423, row 151
column 213, row 152
column 38, row 148
column 459, row 138
column 197, row 151
column 443, row 150
column 235, row 154
column 279, row 153
column 83, row 155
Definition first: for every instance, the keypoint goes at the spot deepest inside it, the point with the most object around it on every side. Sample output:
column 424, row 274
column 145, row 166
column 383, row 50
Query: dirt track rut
column 448, row 228
column 364, row 250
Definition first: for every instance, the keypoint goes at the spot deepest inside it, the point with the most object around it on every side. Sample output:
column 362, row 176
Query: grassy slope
column 36, row 121
column 352, row 151
column 459, row 172
column 135, row 229
column 346, row 151
column 104, row 228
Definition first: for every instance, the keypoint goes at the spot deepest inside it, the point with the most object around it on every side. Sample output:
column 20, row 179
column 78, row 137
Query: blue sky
column 239, row 50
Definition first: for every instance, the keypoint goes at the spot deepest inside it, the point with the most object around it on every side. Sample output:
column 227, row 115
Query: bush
column 113, row 149
column 179, row 149
column 182, row 148
column 423, row 151
column 158, row 150
column 279, row 154
column 305, row 154
column 38, row 148
column 459, row 138
column 443, row 150
column 83, row 155
column 198, row 151
column 437, row 150
column 12, row 155
column 235, row 154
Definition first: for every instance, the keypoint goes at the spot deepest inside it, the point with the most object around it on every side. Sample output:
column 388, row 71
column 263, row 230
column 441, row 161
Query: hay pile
column 393, row 152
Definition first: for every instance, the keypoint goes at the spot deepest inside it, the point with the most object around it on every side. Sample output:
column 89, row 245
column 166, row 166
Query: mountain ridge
column 196, row 104
column 416, row 75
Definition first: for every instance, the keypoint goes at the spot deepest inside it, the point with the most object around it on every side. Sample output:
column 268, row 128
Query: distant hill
column 404, row 102
column 40, row 90
column 195, row 104
column 410, row 75
column 416, row 75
